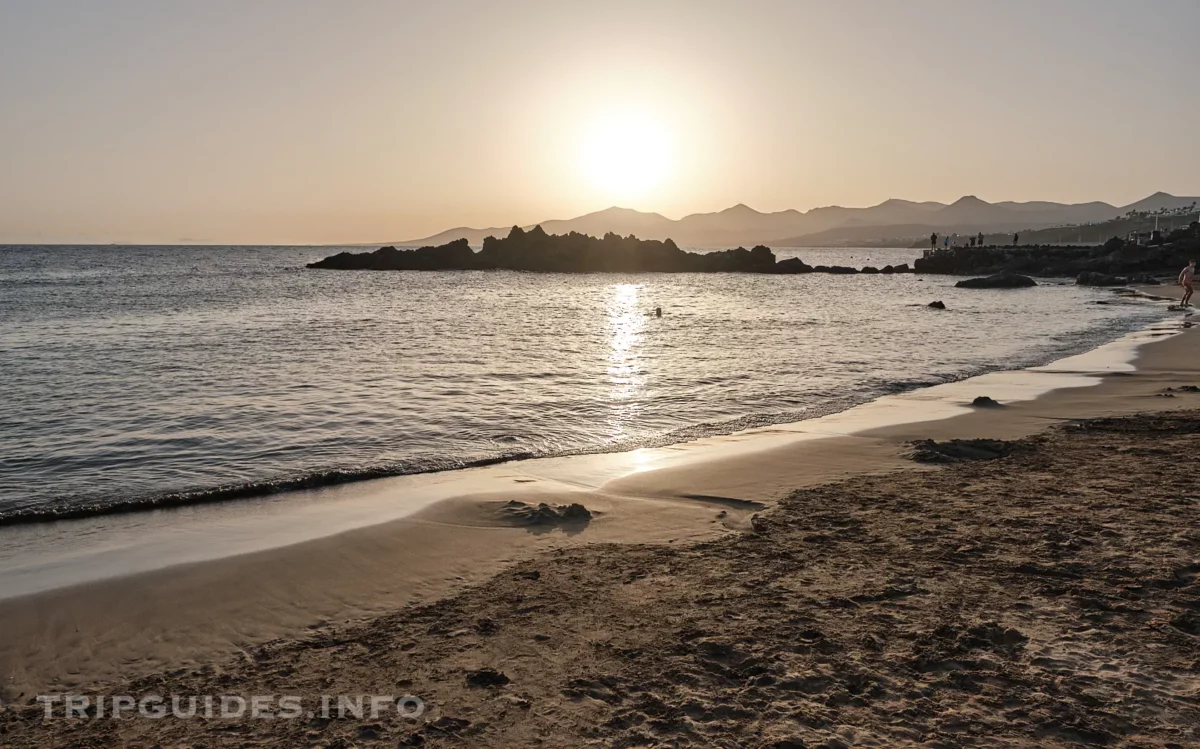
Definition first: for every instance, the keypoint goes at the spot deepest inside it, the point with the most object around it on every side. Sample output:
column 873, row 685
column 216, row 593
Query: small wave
column 903, row 386
column 71, row 510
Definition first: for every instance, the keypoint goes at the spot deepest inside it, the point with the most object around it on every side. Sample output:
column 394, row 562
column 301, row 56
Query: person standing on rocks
column 1016, row 237
column 1186, row 276
column 980, row 242
column 933, row 241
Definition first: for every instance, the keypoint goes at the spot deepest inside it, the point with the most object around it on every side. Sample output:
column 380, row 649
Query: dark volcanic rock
column 542, row 514
column 998, row 281
column 1114, row 244
column 457, row 255
column 984, row 401
column 793, row 265
column 535, row 250
column 558, row 514
column 1092, row 278
column 937, row 305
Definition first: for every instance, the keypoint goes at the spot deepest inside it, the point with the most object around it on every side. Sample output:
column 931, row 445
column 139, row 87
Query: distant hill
column 970, row 215
column 1158, row 201
column 830, row 225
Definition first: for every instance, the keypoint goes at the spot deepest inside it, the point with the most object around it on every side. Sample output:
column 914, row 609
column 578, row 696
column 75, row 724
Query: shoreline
column 1041, row 597
column 266, row 490
column 147, row 538
column 206, row 610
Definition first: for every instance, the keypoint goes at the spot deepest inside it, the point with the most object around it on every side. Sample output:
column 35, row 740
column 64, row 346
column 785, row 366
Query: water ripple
column 140, row 376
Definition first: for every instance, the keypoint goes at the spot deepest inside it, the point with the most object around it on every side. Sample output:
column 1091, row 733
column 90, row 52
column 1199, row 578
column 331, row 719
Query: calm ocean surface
column 132, row 373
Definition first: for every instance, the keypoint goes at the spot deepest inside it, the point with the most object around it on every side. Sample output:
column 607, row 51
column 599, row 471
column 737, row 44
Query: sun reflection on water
column 626, row 324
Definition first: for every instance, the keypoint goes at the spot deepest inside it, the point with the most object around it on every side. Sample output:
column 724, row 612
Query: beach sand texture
column 1046, row 598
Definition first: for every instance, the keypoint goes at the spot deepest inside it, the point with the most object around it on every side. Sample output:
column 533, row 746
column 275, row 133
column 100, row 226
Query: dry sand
column 1046, row 598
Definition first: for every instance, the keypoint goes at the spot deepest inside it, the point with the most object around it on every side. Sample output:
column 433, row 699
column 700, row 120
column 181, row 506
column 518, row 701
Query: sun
column 625, row 157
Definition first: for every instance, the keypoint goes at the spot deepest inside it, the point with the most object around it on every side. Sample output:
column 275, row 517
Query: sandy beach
column 622, row 375
column 811, row 586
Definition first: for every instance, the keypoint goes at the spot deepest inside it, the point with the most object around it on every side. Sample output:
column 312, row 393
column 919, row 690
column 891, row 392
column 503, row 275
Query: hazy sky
column 286, row 121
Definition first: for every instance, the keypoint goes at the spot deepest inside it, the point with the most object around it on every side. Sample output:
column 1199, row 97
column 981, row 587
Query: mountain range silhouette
column 742, row 225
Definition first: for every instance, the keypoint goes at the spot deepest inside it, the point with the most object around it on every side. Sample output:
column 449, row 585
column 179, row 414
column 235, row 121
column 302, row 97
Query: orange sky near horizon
column 317, row 123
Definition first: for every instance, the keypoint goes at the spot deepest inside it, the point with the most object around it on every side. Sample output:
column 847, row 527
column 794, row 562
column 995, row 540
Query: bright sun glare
column 626, row 157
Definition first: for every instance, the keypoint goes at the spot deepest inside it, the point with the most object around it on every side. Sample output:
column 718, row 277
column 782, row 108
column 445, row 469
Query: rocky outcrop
column 998, row 281
column 456, row 255
column 535, row 250
column 793, row 265
column 515, row 512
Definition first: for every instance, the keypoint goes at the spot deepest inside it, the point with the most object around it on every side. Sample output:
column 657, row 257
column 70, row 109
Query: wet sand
column 697, row 529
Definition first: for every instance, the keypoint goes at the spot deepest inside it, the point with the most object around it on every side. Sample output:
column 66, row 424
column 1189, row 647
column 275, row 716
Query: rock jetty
column 1115, row 258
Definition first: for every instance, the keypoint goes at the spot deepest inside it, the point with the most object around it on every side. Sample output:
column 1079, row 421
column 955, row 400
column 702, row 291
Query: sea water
column 136, row 375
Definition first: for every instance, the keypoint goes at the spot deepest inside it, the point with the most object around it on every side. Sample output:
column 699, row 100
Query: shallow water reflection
column 130, row 372
column 626, row 373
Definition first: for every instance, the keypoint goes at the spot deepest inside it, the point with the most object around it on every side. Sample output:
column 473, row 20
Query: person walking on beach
column 1186, row 276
